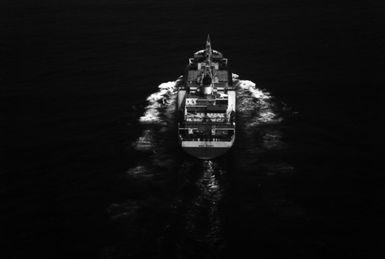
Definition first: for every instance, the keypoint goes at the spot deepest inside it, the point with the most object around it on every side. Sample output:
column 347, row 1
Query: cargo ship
column 206, row 105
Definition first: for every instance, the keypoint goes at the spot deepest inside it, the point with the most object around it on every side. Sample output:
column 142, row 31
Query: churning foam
column 158, row 101
column 254, row 99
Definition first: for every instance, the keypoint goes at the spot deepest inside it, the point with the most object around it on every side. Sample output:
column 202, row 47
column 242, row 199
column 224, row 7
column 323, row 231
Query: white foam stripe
column 266, row 114
column 156, row 101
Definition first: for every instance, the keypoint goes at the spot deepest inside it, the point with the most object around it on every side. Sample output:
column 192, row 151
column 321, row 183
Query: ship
column 206, row 105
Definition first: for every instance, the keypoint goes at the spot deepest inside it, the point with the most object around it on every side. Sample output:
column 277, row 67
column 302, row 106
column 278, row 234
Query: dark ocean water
column 84, row 83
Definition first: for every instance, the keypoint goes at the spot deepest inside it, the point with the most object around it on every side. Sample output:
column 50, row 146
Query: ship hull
column 206, row 149
column 205, row 153
column 206, row 105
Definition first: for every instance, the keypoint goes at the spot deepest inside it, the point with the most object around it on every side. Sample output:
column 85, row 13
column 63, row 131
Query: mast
column 208, row 49
column 208, row 75
column 209, row 52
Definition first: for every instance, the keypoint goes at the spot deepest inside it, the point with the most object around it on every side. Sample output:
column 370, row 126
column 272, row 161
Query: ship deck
column 193, row 124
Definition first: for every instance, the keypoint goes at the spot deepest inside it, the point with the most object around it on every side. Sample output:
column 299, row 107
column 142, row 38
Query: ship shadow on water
column 178, row 206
